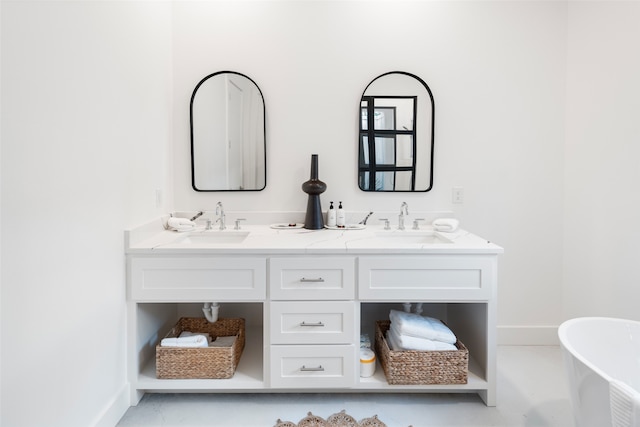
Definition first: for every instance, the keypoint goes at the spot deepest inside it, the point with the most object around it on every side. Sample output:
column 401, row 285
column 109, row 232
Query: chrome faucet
column 404, row 210
column 220, row 211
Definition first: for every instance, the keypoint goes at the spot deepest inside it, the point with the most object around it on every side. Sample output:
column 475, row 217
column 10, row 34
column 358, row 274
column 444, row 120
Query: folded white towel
column 391, row 340
column 414, row 325
column 405, row 342
column 625, row 405
column 447, row 225
column 192, row 341
column 181, row 224
column 223, row 342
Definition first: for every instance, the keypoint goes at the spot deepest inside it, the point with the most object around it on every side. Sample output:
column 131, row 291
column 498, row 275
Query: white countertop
column 263, row 239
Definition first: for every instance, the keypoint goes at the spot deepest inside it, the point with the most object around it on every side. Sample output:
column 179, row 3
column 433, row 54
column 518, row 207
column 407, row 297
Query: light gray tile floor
column 532, row 391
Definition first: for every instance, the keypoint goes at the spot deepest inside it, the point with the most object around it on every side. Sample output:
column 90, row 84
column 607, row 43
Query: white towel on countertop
column 447, row 225
column 625, row 405
column 405, row 342
column 181, row 224
column 192, row 341
column 414, row 325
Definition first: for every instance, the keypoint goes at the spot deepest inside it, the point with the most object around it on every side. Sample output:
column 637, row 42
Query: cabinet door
column 308, row 366
column 174, row 279
column 427, row 278
column 312, row 278
column 312, row 322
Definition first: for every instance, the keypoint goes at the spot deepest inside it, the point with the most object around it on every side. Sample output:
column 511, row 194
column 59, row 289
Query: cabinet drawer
column 307, row 366
column 197, row 279
column 415, row 278
column 312, row 278
column 312, row 322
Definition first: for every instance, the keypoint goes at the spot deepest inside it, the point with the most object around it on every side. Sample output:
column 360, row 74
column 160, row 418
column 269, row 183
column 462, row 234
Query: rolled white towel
column 181, row 224
column 448, row 225
column 414, row 325
column 405, row 342
column 184, row 334
column 192, row 341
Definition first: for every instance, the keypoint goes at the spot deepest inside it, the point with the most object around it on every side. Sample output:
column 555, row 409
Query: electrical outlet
column 457, row 195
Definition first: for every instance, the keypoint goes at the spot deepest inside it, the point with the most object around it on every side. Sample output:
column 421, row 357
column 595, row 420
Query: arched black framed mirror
column 396, row 135
column 228, row 142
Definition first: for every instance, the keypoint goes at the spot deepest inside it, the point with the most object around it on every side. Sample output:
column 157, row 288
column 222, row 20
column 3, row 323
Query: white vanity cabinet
column 306, row 307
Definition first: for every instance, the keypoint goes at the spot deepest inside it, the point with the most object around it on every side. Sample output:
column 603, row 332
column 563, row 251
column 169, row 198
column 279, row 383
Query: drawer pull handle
column 318, row 369
column 319, row 279
column 311, row 324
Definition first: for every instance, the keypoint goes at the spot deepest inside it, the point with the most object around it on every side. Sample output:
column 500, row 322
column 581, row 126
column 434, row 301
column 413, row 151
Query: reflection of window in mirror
column 396, row 135
column 388, row 143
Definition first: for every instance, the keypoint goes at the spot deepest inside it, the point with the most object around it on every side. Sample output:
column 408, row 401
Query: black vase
column 314, row 187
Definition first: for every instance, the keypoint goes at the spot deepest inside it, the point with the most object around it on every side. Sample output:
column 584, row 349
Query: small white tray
column 286, row 226
column 347, row 227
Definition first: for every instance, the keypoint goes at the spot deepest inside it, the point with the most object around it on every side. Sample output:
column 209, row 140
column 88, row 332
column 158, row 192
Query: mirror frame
column 430, row 140
column 264, row 130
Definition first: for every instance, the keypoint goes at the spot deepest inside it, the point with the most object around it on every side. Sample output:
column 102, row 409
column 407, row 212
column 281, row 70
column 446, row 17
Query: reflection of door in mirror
column 234, row 135
column 227, row 134
column 396, row 134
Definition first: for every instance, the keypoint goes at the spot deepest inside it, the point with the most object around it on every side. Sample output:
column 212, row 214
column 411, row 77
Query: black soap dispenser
column 341, row 217
column 331, row 216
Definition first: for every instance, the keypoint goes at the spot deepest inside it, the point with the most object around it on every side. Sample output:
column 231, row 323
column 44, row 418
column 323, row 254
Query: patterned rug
column 341, row 419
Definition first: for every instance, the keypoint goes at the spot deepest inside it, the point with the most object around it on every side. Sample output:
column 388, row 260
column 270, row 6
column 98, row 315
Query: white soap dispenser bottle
column 341, row 217
column 331, row 216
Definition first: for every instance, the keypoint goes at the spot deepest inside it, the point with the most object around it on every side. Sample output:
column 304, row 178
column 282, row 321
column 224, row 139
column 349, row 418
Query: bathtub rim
column 565, row 341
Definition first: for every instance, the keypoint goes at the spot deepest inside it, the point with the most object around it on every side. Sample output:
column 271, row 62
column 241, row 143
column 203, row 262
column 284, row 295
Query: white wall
column 95, row 101
column 602, row 166
column 498, row 79
column 85, row 141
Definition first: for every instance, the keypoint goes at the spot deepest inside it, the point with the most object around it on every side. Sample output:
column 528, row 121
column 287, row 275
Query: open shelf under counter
column 248, row 374
column 378, row 382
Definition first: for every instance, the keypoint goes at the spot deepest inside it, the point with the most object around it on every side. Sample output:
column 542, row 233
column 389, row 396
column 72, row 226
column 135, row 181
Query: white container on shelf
column 367, row 362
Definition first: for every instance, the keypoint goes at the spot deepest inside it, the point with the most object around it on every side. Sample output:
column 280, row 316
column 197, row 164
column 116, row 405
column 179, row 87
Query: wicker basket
column 204, row 362
column 421, row 367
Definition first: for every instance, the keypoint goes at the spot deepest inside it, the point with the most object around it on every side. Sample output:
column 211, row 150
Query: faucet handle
column 237, row 227
column 415, row 223
column 386, row 223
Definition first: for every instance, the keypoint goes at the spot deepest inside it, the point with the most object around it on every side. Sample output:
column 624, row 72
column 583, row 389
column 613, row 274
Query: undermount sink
column 205, row 238
column 411, row 237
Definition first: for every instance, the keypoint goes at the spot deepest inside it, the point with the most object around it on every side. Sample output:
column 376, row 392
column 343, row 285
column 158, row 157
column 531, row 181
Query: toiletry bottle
column 340, row 217
column 331, row 216
column 367, row 362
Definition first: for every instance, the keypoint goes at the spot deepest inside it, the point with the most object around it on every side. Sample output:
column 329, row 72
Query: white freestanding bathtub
column 602, row 359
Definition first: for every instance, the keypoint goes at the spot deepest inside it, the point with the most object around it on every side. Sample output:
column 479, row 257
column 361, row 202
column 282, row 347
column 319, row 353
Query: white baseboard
column 115, row 409
column 528, row 335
